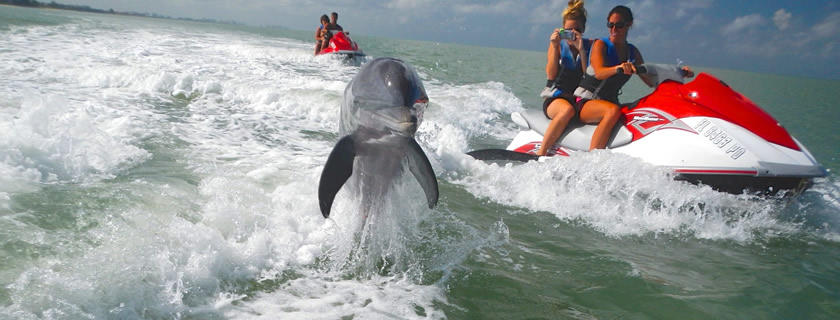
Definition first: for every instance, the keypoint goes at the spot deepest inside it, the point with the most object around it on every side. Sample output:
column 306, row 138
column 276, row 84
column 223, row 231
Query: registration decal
column 720, row 139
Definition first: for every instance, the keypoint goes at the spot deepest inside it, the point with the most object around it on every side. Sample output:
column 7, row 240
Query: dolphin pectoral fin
column 338, row 169
column 420, row 166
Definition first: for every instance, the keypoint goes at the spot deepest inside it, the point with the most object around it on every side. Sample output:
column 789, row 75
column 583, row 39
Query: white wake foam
column 249, row 122
column 619, row 196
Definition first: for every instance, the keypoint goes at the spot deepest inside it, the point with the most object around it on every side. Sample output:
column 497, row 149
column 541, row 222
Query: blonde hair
column 575, row 11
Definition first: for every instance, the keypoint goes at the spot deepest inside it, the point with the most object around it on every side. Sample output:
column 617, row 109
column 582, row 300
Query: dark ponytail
column 622, row 11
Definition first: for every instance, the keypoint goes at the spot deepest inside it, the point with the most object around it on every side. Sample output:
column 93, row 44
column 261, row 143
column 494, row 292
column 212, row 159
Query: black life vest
column 570, row 73
column 608, row 88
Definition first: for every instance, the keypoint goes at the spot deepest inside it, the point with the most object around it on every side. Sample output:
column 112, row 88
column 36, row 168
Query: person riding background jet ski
column 319, row 33
column 612, row 61
column 567, row 59
column 331, row 27
column 334, row 22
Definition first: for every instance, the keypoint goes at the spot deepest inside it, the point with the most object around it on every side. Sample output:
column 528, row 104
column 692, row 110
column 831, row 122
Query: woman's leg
column 560, row 112
column 605, row 114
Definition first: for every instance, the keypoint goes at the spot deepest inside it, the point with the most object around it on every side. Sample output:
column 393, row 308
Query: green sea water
column 163, row 169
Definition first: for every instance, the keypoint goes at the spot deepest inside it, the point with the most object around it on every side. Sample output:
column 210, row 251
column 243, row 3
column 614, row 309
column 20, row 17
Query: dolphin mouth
column 406, row 127
column 404, row 124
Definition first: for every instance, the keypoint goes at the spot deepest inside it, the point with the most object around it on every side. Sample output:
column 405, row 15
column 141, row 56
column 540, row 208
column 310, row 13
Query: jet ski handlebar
column 643, row 69
column 662, row 72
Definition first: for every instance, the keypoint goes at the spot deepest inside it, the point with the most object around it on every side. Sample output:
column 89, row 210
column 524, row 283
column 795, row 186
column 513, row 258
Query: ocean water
column 162, row 169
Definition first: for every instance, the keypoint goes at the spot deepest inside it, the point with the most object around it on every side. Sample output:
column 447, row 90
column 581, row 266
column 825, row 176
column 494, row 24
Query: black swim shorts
column 575, row 102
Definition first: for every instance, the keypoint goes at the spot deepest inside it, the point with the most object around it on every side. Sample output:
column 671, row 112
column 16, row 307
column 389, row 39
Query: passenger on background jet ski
column 566, row 61
column 612, row 61
column 319, row 34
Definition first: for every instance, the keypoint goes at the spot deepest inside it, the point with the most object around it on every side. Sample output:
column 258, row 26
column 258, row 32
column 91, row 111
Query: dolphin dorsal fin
column 338, row 169
column 420, row 166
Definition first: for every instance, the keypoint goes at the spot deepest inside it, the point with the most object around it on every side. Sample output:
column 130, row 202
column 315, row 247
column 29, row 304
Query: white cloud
column 830, row 50
column 828, row 27
column 696, row 21
column 683, row 7
column 747, row 38
column 497, row 8
column 645, row 12
column 742, row 23
column 551, row 12
column 408, row 4
column 782, row 19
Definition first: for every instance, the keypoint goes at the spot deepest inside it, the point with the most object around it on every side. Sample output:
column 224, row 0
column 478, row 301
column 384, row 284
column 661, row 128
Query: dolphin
column 382, row 108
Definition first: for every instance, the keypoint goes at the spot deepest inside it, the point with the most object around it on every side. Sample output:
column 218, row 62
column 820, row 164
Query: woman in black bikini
column 566, row 61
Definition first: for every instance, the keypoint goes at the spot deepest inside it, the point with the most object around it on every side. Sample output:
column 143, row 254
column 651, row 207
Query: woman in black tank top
column 603, row 112
column 608, row 73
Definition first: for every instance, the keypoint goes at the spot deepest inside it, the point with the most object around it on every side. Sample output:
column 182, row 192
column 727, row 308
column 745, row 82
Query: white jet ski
column 702, row 130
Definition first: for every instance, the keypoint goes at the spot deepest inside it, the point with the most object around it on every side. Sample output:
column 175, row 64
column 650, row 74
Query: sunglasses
column 620, row 25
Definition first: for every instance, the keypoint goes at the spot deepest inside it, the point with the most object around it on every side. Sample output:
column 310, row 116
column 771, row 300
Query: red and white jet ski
column 340, row 43
column 702, row 130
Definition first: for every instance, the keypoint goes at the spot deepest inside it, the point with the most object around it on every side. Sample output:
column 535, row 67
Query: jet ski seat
column 577, row 136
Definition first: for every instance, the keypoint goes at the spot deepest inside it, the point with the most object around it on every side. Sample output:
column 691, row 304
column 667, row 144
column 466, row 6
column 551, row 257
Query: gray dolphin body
column 382, row 108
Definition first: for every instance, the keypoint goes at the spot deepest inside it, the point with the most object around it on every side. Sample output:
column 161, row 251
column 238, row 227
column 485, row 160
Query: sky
column 800, row 38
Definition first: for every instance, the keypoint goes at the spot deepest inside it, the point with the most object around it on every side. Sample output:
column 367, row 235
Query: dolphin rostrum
column 382, row 108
